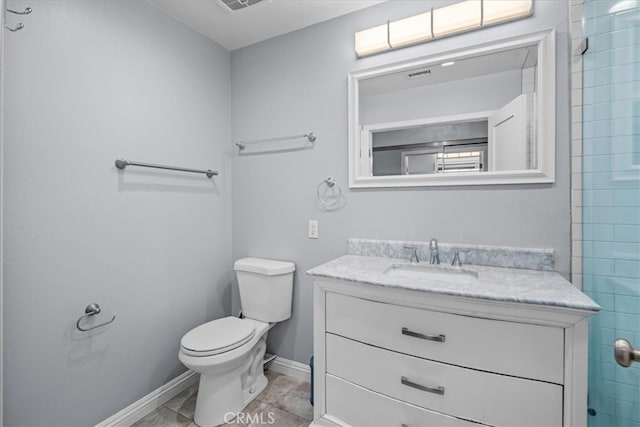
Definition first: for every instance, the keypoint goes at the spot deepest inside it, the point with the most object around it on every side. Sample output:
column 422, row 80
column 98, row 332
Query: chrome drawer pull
column 438, row 338
column 437, row 390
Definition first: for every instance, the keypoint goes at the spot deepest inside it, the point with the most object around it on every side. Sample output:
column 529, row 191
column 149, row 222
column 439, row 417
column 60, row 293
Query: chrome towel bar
column 122, row 163
column 91, row 310
column 311, row 136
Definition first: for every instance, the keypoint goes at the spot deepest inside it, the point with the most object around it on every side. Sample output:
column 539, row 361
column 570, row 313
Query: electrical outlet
column 313, row 229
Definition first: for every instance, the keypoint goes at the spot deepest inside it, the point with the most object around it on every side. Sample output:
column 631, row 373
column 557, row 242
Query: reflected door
column 611, row 207
column 508, row 139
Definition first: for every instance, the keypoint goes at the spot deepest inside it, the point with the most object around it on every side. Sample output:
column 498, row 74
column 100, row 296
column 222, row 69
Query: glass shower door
column 611, row 206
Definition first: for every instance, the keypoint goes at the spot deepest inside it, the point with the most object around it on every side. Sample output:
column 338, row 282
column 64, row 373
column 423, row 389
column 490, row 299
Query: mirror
column 482, row 115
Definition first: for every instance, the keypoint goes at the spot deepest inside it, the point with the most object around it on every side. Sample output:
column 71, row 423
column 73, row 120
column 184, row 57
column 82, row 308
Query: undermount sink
column 429, row 272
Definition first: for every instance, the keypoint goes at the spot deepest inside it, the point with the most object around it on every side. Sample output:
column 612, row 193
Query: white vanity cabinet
column 387, row 356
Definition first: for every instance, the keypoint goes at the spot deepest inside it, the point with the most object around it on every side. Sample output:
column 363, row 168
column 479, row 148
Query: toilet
column 228, row 352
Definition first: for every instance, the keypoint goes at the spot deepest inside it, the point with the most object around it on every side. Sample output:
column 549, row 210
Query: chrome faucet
column 414, row 253
column 456, row 257
column 434, row 257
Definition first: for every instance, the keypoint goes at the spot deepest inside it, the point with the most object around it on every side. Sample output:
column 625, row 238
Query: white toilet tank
column 266, row 288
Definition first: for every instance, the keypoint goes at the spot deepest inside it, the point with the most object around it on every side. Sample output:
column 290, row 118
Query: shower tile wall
column 611, row 203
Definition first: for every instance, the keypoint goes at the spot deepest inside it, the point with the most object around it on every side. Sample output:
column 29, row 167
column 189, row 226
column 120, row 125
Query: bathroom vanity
column 406, row 344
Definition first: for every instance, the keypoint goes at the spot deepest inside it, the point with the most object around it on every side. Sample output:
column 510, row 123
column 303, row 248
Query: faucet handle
column 433, row 244
column 414, row 253
column 456, row 257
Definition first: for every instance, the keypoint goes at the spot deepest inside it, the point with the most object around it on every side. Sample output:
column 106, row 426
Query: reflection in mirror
column 456, row 147
column 500, row 85
column 485, row 115
column 440, row 148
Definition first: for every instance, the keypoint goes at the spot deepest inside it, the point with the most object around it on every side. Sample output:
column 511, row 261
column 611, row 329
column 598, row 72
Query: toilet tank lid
column 268, row 267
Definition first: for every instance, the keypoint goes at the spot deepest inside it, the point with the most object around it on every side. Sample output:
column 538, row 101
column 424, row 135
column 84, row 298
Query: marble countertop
column 492, row 283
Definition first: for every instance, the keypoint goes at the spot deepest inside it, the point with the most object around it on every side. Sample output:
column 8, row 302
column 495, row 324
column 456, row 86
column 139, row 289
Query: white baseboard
column 150, row 402
column 162, row 394
column 291, row 367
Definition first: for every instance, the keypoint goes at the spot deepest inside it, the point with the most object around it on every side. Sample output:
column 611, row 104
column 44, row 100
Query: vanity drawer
column 518, row 349
column 488, row 398
column 361, row 407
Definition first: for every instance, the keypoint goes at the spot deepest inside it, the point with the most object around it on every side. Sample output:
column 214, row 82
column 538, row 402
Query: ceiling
column 256, row 23
column 474, row 66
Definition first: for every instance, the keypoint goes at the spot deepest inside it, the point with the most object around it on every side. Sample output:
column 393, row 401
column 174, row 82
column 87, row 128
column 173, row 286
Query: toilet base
column 220, row 403
column 261, row 384
column 220, row 398
column 223, row 394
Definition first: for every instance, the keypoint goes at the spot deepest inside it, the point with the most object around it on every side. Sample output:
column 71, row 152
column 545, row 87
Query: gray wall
column 297, row 83
column 87, row 82
column 472, row 95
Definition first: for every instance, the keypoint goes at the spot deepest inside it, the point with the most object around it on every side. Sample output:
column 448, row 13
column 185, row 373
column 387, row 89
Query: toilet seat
column 218, row 336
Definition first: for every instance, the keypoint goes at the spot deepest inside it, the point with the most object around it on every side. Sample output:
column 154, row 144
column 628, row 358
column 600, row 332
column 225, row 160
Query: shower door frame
column 579, row 46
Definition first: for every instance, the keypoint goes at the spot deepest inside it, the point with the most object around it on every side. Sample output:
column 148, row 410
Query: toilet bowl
column 228, row 352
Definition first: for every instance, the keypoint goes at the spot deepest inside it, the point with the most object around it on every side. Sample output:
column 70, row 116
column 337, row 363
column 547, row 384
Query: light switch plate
column 313, row 229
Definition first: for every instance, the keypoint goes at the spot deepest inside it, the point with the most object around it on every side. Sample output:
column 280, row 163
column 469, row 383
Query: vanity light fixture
column 374, row 39
column 459, row 17
column 412, row 30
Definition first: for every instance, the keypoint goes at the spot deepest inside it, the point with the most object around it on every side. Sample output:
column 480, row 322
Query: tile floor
column 284, row 403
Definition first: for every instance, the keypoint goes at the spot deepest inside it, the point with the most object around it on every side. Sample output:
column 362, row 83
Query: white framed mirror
column 480, row 115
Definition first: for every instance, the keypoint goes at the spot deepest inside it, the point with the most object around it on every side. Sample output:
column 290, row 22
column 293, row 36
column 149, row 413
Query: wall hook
column 26, row 11
column 18, row 27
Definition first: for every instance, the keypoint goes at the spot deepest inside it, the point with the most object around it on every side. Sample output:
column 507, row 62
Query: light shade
column 414, row 29
column 373, row 40
column 457, row 17
column 499, row 10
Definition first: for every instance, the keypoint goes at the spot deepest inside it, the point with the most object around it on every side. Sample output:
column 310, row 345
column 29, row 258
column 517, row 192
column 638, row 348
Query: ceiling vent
column 418, row 73
column 235, row 5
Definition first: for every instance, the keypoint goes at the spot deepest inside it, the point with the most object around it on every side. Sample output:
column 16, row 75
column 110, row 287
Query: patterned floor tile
column 284, row 403
column 184, row 403
column 163, row 417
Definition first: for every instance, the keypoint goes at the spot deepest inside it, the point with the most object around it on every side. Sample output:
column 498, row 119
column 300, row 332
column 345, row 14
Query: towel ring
column 332, row 200
column 91, row 310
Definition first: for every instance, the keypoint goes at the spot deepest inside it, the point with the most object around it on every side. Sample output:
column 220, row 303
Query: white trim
column 319, row 363
column 2, row 6
column 576, row 202
column 576, row 362
column 166, row 392
column 327, row 421
column 291, row 368
column 450, row 119
column 151, row 401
